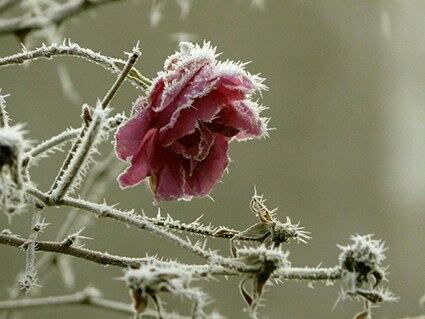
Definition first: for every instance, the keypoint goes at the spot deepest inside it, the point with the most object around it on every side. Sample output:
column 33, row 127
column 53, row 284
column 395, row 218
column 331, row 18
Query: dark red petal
column 209, row 171
column 183, row 83
column 195, row 146
column 242, row 115
column 203, row 110
column 170, row 181
column 140, row 163
column 156, row 91
column 130, row 135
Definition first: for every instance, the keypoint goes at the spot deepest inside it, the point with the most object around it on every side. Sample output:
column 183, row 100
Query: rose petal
column 195, row 146
column 140, row 163
column 233, row 77
column 170, row 181
column 208, row 172
column 177, row 88
column 129, row 136
column 202, row 110
column 242, row 115
column 156, row 91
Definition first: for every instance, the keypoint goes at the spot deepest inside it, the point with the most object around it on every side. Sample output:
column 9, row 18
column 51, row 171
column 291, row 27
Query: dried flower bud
column 363, row 258
column 266, row 261
column 269, row 230
column 12, row 146
column 148, row 281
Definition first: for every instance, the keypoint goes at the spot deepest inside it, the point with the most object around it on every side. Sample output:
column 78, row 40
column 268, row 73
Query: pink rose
column 179, row 133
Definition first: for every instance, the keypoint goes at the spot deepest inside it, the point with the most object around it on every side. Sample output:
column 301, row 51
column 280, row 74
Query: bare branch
column 127, row 68
column 56, row 15
column 69, row 48
column 79, row 252
column 103, row 258
column 103, row 210
column 69, row 134
column 88, row 297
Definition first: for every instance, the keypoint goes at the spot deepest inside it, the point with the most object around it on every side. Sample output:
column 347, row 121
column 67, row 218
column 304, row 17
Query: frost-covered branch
column 68, row 48
column 130, row 218
column 87, row 297
column 104, row 258
column 54, row 142
column 7, row 238
column 135, row 54
column 4, row 118
column 53, row 16
column 29, row 278
column 91, row 134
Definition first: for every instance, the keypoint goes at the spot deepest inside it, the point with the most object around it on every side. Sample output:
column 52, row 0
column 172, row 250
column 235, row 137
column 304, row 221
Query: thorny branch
column 68, row 48
column 55, row 15
column 87, row 297
column 104, row 258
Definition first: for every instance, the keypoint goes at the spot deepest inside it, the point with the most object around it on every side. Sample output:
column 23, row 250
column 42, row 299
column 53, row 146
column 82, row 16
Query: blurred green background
column 347, row 99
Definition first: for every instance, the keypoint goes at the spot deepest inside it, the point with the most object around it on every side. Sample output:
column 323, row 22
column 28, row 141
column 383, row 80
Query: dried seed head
column 262, row 256
column 12, row 146
column 151, row 279
column 266, row 261
column 363, row 257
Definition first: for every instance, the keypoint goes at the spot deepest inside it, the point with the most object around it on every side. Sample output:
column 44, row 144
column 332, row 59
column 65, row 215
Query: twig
column 139, row 220
column 87, row 297
column 291, row 273
column 90, row 135
column 69, row 134
column 79, row 252
column 79, row 155
column 127, row 68
column 56, row 15
column 113, row 65
column 29, row 278
column 103, row 210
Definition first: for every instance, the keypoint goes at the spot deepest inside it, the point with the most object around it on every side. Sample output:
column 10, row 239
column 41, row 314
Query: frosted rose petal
column 141, row 162
column 202, row 110
column 208, row 172
column 195, row 146
column 242, row 115
column 170, row 182
column 130, row 135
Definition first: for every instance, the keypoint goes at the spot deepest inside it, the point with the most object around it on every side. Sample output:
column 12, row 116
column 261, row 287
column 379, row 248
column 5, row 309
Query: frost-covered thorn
column 40, row 226
column 73, row 238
